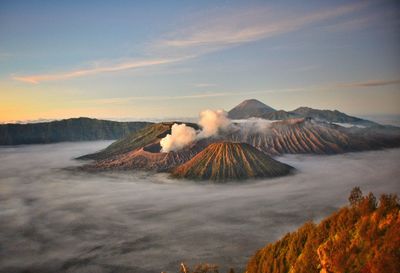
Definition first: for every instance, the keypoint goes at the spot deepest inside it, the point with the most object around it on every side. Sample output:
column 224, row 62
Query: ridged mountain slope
column 148, row 158
column 230, row 161
column 330, row 116
column 134, row 141
column 309, row 136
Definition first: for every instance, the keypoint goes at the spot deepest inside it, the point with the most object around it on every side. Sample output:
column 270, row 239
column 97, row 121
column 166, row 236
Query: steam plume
column 213, row 121
column 253, row 125
column 182, row 135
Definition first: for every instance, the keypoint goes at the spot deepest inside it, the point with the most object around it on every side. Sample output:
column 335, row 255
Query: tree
column 355, row 196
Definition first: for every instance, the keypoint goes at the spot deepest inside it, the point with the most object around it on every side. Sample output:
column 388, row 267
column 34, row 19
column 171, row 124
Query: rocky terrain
column 306, row 135
column 230, row 161
column 256, row 109
column 292, row 133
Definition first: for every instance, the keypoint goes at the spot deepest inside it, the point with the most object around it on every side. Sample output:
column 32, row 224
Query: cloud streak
column 219, row 32
column 124, row 100
column 370, row 83
column 248, row 26
column 34, row 79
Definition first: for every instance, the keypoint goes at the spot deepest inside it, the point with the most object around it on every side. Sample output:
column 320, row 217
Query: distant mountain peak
column 250, row 108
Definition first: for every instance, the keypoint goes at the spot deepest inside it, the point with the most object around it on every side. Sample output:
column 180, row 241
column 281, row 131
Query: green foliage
column 361, row 238
column 135, row 140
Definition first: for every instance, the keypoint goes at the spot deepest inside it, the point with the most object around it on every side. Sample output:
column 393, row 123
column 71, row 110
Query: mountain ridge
column 74, row 129
column 257, row 109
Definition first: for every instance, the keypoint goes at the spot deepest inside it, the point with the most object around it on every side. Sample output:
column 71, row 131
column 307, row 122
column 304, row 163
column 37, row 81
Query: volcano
column 225, row 161
column 250, row 108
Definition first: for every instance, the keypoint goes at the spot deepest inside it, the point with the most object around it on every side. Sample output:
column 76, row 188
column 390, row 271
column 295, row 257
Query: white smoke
column 212, row 122
column 253, row 125
column 181, row 136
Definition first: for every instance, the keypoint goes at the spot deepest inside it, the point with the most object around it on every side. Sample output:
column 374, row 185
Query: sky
column 166, row 59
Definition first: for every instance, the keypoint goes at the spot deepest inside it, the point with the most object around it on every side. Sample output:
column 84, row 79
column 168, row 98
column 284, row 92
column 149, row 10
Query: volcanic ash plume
column 181, row 136
column 213, row 121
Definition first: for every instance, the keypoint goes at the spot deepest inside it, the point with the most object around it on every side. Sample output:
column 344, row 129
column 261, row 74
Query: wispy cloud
column 369, row 83
column 124, row 100
column 127, row 100
column 203, row 85
column 135, row 64
column 200, row 38
column 248, row 26
column 380, row 18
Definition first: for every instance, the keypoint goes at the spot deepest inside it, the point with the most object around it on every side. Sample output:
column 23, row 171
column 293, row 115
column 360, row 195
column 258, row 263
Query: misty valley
column 200, row 136
column 251, row 190
column 62, row 220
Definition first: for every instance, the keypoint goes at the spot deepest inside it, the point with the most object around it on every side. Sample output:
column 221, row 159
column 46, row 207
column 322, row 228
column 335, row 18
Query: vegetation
column 75, row 129
column 363, row 237
column 135, row 140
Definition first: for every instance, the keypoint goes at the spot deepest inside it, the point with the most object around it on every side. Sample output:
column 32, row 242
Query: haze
column 136, row 59
column 55, row 219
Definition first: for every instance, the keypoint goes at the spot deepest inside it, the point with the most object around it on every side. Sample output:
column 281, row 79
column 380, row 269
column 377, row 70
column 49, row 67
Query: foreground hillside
column 230, row 161
column 362, row 237
column 74, row 129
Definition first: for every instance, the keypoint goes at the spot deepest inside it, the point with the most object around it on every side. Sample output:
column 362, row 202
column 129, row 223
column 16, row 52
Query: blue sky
column 148, row 59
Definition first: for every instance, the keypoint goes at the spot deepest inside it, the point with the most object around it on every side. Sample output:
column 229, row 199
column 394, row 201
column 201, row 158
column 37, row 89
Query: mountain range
column 256, row 109
column 83, row 129
column 201, row 160
column 74, row 129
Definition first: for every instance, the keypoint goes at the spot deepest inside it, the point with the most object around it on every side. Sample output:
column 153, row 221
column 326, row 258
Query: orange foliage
column 361, row 238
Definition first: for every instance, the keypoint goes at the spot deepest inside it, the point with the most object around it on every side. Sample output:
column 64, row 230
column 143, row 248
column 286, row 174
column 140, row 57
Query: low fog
column 55, row 219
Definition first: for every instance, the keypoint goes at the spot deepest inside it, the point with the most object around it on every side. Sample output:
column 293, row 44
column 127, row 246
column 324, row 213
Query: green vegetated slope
column 230, row 161
column 75, row 129
column 362, row 237
column 148, row 135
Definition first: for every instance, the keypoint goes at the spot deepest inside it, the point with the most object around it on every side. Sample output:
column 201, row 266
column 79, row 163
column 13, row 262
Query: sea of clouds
column 56, row 219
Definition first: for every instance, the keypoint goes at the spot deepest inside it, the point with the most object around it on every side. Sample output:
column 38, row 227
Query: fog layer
column 58, row 220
